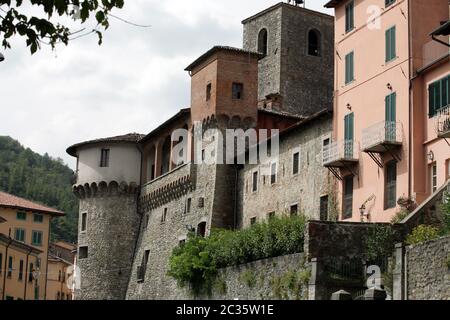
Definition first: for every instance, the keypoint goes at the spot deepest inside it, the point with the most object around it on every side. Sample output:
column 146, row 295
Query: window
column 391, row 117
column 314, row 43
column 104, row 158
column 433, row 176
column 349, row 134
column 253, row 221
column 349, row 68
column 208, row 91
column 273, row 173
column 147, row 219
column 19, row 235
column 164, row 215
column 391, row 185
column 271, row 215
column 21, row 270
column 295, row 163
column 21, row 215
column 255, row 181
column 387, row 3
column 324, row 208
column 238, row 91
column 1, row 262
column 142, row 270
column 10, row 267
column 201, row 229
column 294, row 210
column 59, row 276
column 36, row 239
column 390, row 44
column 30, row 273
column 83, row 252
column 181, row 242
column 188, row 205
column 203, row 155
column 83, row 222
column 38, row 218
column 263, row 42
column 448, row 169
column 438, row 93
column 349, row 16
column 348, row 198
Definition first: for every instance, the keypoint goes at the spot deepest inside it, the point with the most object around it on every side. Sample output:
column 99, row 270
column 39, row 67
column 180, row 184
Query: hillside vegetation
column 43, row 179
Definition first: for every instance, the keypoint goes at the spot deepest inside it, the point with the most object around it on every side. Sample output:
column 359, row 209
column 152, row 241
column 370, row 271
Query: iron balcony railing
column 443, row 121
column 385, row 132
column 340, row 151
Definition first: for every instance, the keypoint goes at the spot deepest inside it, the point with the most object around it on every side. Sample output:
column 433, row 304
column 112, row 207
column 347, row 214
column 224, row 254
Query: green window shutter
column 391, row 44
column 349, row 126
column 349, row 68
column 431, row 100
column 444, row 90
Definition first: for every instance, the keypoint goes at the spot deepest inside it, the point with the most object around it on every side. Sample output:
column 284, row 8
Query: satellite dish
column 2, row 57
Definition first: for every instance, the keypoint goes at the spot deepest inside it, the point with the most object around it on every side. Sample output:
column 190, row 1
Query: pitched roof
column 332, row 3
column 216, row 49
column 65, row 245
column 182, row 113
column 281, row 113
column 9, row 201
column 128, row 138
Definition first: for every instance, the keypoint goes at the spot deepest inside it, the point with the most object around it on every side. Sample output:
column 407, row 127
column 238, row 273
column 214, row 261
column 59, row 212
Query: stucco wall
column 89, row 170
column 428, row 271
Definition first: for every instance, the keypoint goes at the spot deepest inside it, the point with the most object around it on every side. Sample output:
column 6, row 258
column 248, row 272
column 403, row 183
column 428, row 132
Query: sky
column 131, row 83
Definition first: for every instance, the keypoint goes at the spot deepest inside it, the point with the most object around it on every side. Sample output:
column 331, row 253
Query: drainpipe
column 410, row 151
column 26, row 275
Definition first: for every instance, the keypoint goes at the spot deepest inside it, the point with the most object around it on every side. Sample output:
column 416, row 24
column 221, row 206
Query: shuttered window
column 349, row 16
column 348, row 198
column 438, row 93
column 391, row 185
column 390, row 44
column 349, row 68
column 388, row 2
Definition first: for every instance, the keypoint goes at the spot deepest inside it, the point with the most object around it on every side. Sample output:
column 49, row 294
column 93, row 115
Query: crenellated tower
column 107, row 180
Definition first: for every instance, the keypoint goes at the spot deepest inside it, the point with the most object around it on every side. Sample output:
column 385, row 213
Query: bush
column 197, row 261
column 400, row 216
column 380, row 242
column 445, row 210
column 421, row 234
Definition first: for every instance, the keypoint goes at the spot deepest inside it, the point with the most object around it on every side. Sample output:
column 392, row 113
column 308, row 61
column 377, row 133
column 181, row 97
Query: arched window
column 201, row 229
column 314, row 43
column 263, row 42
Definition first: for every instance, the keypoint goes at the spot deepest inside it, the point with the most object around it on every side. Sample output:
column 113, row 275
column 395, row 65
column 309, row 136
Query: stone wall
column 303, row 189
column 428, row 270
column 284, row 277
column 305, row 82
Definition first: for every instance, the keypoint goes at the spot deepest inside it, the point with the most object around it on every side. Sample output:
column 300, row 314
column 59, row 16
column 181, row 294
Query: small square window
column 294, row 210
column 21, row 215
column 271, row 215
column 38, row 218
column 238, row 91
column 83, row 252
column 253, row 221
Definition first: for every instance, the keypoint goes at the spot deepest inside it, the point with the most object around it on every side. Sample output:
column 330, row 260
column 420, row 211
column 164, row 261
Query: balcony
column 443, row 122
column 382, row 137
column 340, row 154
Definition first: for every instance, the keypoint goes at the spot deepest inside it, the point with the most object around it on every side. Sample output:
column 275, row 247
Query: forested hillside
column 43, row 179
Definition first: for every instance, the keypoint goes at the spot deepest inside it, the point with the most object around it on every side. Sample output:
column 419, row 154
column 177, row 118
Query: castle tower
column 107, row 179
column 296, row 73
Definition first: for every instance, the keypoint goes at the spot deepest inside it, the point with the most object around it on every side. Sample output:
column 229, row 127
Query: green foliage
column 290, row 284
column 249, row 278
column 422, row 233
column 400, row 216
column 380, row 242
column 16, row 21
column 196, row 262
column 42, row 179
column 445, row 211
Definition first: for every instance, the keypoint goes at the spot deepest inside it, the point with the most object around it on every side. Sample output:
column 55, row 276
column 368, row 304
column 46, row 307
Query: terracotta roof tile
column 9, row 201
column 130, row 137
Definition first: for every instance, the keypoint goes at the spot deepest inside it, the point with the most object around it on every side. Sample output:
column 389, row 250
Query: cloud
column 131, row 83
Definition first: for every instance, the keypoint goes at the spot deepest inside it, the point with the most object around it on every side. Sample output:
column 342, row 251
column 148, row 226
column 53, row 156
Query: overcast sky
column 131, row 83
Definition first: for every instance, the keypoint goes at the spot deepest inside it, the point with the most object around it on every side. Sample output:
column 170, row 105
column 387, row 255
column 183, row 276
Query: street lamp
column 363, row 213
column 2, row 57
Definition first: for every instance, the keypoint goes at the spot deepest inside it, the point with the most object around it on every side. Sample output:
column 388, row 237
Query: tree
column 14, row 21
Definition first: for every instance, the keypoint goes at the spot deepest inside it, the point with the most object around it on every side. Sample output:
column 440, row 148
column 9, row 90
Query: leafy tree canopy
column 15, row 20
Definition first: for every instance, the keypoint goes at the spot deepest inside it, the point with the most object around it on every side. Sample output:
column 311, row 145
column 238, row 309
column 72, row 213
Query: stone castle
column 137, row 203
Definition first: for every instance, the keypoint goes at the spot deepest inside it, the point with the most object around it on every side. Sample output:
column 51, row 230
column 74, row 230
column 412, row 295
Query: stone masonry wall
column 303, row 189
column 112, row 230
column 428, row 270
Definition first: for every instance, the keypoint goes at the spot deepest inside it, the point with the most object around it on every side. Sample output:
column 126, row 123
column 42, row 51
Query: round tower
column 106, row 184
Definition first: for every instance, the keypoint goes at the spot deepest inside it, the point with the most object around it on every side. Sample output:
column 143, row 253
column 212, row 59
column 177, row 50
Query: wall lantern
column 430, row 156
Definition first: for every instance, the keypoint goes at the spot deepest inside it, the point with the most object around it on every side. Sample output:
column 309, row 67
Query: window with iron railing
column 438, row 95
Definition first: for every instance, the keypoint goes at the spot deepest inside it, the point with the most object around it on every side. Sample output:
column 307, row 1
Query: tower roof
column 127, row 138
column 9, row 201
column 216, row 49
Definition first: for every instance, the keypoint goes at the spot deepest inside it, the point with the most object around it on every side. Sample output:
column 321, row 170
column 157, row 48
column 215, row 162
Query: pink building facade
column 386, row 143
